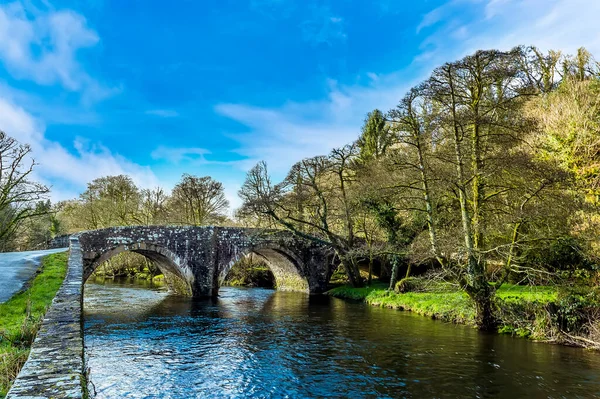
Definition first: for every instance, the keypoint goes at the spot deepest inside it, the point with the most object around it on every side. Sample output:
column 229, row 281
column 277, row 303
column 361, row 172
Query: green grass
column 453, row 306
column 21, row 316
column 557, row 314
column 509, row 292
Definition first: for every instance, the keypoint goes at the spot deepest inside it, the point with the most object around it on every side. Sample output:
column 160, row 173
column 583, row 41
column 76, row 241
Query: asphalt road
column 18, row 267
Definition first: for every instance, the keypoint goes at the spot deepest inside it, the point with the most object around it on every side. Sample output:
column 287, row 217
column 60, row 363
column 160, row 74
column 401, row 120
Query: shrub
column 564, row 256
column 408, row 284
column 576, row 307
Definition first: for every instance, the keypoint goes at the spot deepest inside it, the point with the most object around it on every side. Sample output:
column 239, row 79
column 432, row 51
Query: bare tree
column 109, row 201
column 153, row 207
column 18, row 194
column 412, row 122
column 198, row 201
column 480, row 98
column 314, row 202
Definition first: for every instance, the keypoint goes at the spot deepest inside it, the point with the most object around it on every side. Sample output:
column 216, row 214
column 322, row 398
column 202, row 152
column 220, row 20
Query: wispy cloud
column 549, row 24
column 60, row 166
column 317, row 23
column 163, row 113
column 42, row 47
column 445, row 13
column 179, row 155
column 295, row 130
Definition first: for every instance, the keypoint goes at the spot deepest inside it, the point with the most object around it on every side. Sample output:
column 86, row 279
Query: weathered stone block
column 198, row 260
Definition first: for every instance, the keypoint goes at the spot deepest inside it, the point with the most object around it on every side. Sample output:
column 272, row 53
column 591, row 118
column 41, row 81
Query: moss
column 407, row 284
column 20, row 317
column 291, row 283
column 177, row 285
column 250, row 276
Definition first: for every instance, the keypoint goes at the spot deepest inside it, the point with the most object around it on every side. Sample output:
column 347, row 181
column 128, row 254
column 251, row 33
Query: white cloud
column 440, row 14
column 548, row 24
column 179, row 155
column 231, row 189
column 285, row 134
column 42, row 47
column 163, row 113
column 59, row 166
column 51, row 112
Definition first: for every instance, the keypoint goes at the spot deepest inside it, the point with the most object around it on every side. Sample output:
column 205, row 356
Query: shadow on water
column 257, row 343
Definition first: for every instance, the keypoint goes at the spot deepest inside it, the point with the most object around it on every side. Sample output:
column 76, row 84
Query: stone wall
column 59, row 242
column 200, row 256
column 55, row 366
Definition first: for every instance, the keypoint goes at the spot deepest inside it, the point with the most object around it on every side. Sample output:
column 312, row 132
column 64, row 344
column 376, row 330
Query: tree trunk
column 352, row 272
column 477, row 286
column 408, row 270
column 395, row 271
column 511, row 252
column 482, row 294
column 370, row 267
column 427, row 199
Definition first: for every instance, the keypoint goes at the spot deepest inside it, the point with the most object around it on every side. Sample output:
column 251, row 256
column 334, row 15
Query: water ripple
column 265, row 344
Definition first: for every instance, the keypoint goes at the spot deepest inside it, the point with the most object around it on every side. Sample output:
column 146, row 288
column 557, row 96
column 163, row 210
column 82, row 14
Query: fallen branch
column 593, row 344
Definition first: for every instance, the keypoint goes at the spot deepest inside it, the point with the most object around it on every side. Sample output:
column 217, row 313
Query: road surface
column 18, row 267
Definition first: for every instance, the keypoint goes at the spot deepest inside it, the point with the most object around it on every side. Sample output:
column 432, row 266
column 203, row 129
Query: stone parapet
column 55, row 366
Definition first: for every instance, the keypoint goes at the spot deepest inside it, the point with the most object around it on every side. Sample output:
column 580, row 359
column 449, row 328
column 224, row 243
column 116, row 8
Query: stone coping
column 55, row 367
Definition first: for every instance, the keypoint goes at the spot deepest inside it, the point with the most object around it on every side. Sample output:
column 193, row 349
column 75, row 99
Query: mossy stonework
column 194, row 260
column 55, row 367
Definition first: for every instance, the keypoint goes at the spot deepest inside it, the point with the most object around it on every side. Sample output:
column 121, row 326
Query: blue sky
column 154, row 89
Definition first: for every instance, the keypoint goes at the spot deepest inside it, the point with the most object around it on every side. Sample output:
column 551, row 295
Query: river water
column 257, row 343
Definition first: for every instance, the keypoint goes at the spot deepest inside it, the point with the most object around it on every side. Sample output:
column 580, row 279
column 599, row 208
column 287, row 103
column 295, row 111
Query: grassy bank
column 540, row 313
column 20, row 317
column 453, row 307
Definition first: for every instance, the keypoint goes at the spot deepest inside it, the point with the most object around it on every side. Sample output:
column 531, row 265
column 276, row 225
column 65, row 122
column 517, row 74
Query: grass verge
column 21, row 316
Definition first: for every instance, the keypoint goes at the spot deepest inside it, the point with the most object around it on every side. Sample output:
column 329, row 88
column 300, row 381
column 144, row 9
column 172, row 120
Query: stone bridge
column 195, row 261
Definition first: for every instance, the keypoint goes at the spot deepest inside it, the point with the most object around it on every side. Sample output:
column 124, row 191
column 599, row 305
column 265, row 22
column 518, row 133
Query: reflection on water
column 255, row 343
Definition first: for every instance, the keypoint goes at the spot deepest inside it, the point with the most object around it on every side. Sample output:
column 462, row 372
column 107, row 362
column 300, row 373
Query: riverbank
column 21, row 316
column 538, row 313
column 269, row 341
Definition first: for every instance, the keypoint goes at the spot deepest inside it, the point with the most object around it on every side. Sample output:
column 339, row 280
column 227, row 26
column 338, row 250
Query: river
column 258, row 343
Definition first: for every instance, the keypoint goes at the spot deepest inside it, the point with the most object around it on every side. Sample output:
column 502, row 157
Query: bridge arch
column 287, row 268
column 198, row 254
column 201, row 256
column 178, row 276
